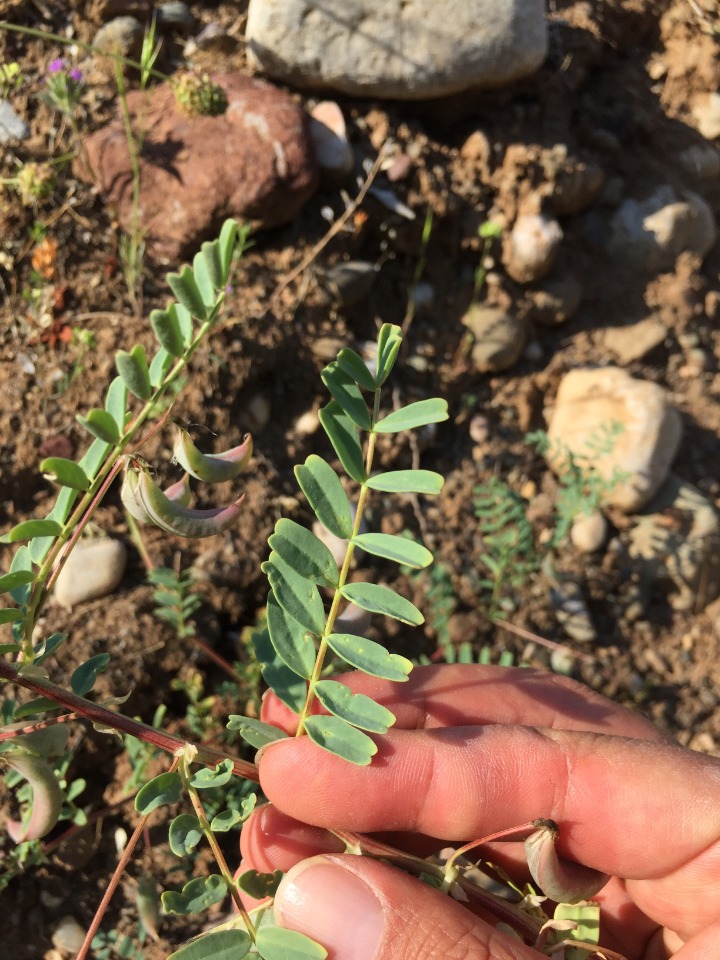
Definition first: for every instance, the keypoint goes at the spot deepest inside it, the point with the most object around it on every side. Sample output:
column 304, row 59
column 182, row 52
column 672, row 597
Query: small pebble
column 707, row 115
column 307, row 423
column 175, row 15
column 68, row 935
column 479, row 428
column 94, row 569
column 11, row 126
column 350, row 282
column 533, row 352
column 121, row 35
column 212, row 37
column 562, row 661
column 333, row 150
column 532, row 247
column 258, row 413
column 589, row 532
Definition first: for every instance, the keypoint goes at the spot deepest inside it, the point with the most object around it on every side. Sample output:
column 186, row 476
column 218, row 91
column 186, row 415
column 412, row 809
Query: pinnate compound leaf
column 414, row 415
column 389, row 341
column 369, row 656
column 285, row 684
column 168, row 332
column 377, row 599
column 185, row 834
column 347, row 394
column 83, row 679
column 185, row 288
column 197, row 895
column 325, row 494
column 100, row 424
column 116, row 402
column 304, row 552
column 338, row 737
column 206, row 778
column 133, row 368
column 400, row 549
column 65, row 472
column 216, row 945
column 407, row 481
column 161, row 363
column 298, row 596
column 255, row 732
column 203, row 280
column 292, row 641
column 226, row 245
column 18, row 578
column 344, row 437
column 32, row 528
column 354, row 366
column 259, row 885
column 10, row 615
column 354, row 708
column 165, row 788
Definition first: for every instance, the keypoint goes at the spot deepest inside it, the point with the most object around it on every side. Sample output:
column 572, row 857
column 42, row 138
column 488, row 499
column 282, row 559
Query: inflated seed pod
column 212, row 468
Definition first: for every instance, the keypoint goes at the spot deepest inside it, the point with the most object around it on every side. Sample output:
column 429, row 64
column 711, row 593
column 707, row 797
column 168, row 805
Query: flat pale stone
column 499, row 338
column 94, row 569
column 404, row 49
column 633, row 342
column 589, row 403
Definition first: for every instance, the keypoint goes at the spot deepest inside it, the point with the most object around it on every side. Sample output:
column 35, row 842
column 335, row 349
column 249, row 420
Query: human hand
column 475, row 750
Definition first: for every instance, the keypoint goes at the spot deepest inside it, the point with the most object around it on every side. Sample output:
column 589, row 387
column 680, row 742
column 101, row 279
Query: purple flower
column 56, row 66
column 76, row 75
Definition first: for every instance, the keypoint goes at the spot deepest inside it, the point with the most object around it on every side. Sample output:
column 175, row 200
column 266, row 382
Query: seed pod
column 561, row 880
column 129, row 494
column 180, row 492
column 212, row 468
column 46, row 799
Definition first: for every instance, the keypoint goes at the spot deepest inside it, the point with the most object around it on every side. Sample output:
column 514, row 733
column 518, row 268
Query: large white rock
column 588, row 405
column 404, row 49
column 94, row 569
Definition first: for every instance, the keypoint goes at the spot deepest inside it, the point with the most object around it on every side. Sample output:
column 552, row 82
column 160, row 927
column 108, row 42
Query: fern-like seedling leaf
column 344, row 437
column 407, row 481
column 295, row 594
column 293, row 643
column 339, row 737
column 347, row 393
column 277, row 943
column 369, row 656
column 216, row 945
column 400, row 549
column 325, row 494
column 414, row 415
column 377, row 599
column 133, row 368
column 304, row 552
column 185, row 288
column 354, row 708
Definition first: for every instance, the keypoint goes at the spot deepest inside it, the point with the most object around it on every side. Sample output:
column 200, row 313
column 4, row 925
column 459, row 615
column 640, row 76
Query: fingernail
column 331, row 905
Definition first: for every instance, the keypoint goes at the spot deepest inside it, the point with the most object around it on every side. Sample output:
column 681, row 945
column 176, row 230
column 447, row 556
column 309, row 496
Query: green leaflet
column 285, row 684
column 83, row 679
column 370, row 657
column 213, row 263
column 185, row 288
column 133, row 368
column 165, row 788
column 354, row 708
column 414, row 415
column 32, row 528
column 205, row 778
column 304, row 552
column 338, row 737
column 354, row 366
column 377, row 599
column 11, row 615
column 298, row 596
column 161, row 363
column 347, row 394
column 259, row 885
column 255, row 732
column 216, row 945
column 18, row 578
column 184, row 319
column 389, row 341
column 277, row 943
column 292, row 641
column 344, row 437
column 91, row 463
column 197, row 895
column 400, row 549
column 203, row 280
column 168, row 332
column 100, row 424
column 325, row 494
column 185, row 834
column 116, row 402
column 65, row 472
column 407, row 481
column 226, row 245
column 226, row 821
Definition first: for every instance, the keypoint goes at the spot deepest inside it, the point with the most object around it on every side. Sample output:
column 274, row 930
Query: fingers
column 361, row 909
column 630, row 808
column 464, row 694
column 270, row 840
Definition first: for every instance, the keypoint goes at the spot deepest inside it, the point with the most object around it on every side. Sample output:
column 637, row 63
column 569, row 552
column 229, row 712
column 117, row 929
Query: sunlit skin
column 477, row 749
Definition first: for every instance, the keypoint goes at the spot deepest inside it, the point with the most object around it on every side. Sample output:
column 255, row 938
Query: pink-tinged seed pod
column 173, row 517
column 180, row 492
column 46, row 797
column 561, row 880
column 212, row 468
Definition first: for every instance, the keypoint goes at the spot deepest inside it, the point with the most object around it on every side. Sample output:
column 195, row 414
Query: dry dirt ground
column 617, row 90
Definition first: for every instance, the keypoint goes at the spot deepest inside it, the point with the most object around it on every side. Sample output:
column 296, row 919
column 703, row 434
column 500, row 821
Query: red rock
column 254, row 162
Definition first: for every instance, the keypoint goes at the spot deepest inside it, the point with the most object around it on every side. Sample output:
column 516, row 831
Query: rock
column 68, row 935
column 571, row 611
column 254, row 162
column 121, row 35
column 258, row 412
column 556, row 301
column 333, row 151
column 677, row 539
column 651, row 234
column 701, row 161
column 175, row 15
column 94, row 569
column 588, row 532
column 213, row 38
column 576, row 186
column 532, row 246
column 11, row 126
column 349, row 282
column 706, row 112
column 636, row 341
column 588, row 405
column 307, row 423
column 499, row 338
column 404, row 49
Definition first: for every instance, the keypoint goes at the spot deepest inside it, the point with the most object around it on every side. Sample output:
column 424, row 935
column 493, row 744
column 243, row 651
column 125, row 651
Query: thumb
column 360, row 909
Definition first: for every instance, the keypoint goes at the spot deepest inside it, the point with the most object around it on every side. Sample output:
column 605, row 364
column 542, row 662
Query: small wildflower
column 76, row 75
column 56, row 66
